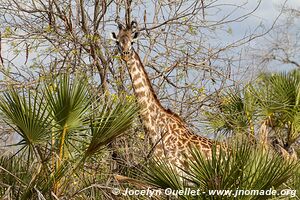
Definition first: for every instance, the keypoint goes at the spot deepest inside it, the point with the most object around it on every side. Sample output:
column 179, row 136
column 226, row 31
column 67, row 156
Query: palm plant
column 268, row 108
column 245, row 166
column 294, row 184
column 61, row 125
column 278, row 97
column 28, row 116
column 235, row 113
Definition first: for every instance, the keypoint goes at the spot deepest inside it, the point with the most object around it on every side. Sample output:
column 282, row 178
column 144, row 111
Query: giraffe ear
column 121, row 26
column 113, row 36
column 135, row 35
column 133, row 24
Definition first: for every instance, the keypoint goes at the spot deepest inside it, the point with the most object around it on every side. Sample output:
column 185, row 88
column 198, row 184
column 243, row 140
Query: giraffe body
column 168, row 133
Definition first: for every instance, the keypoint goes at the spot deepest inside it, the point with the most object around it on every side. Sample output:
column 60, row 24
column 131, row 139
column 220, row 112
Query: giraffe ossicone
column 167, row 131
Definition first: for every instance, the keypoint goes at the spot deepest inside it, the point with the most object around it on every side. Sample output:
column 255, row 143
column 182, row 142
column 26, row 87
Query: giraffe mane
column 167, row 110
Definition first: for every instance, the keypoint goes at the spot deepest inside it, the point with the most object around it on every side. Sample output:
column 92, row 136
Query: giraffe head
column 125, row 39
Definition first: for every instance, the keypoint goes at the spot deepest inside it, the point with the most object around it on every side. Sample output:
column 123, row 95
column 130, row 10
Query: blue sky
column 266, row 14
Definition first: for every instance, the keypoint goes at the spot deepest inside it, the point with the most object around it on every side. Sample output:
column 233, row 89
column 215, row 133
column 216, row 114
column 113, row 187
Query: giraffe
column 168, row 133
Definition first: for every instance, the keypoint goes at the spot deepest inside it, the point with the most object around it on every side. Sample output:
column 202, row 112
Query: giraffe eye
column 132, row 43
column 117, row 42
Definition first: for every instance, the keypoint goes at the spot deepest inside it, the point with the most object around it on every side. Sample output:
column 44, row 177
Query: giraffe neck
column 167, row 131
column 150, row 106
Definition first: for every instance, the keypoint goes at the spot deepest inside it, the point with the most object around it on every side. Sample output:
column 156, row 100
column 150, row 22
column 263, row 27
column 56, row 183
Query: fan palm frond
column 112, row 120
column 235, row 113
column 26, row 113
column 244, row 166
column 68, row 101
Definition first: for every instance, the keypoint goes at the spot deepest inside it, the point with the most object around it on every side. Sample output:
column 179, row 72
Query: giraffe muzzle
column 126, row 55
column 126, row 52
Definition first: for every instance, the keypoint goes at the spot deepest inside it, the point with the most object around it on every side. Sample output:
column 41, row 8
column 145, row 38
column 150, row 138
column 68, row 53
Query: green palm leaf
column 244, row 166
column 26, row 113
column 68, row 101
column 160, row 173
column 278, row 97
column 234, row 114
column 272, row 101
column 276, row 93
column 112, row 120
